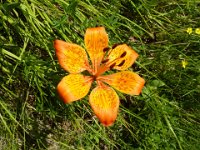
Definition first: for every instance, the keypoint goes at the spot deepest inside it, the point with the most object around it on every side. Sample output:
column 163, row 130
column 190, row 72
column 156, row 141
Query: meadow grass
column 164, row 116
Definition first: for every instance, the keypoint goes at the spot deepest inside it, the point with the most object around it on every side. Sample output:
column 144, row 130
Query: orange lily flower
column 103, row 99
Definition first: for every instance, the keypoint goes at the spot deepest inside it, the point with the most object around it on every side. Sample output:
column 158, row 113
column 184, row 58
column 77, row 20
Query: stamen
column 89, row 79
column 112, row 66
column 115, row 45
column 123, row 54
column 104, row 61
column 123, row 61
column 108, row 64
column 99, row 83
column 103, row 78
column 106, row 49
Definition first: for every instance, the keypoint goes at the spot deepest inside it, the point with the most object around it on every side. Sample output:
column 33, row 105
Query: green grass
column 164, row 116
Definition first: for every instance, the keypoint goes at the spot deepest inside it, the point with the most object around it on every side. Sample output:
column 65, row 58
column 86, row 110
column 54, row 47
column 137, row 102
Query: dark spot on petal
column 112, row 66
column 123, row 61
column 123, row 54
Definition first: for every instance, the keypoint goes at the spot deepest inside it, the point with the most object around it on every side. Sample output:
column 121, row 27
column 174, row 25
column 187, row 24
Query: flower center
column 108, row 64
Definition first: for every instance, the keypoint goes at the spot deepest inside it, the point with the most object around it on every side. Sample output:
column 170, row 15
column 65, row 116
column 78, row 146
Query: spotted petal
column 74, row 87
column 71, row 57
column 126, row 81
column 105, row 103
column 124, row 56
column 96, row 39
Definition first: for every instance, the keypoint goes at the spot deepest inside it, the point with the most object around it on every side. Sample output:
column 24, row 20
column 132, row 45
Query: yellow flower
column 197, row 30
column 103, row 99
column 189, row 30
column 184, row 63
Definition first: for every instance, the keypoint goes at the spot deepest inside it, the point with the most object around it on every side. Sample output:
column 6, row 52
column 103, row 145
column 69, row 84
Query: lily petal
column 124, row 56
column 96, row 39
column 126, row 81
column 71, row 57
column 74, row 87
column 105, row 103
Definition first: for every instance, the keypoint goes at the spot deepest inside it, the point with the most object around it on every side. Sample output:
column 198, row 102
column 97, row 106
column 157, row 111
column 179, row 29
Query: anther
column 123, row 54
column 115, row 45
column 112, row 66
column 106, row 49
column 123, row 61
column 104, row 61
